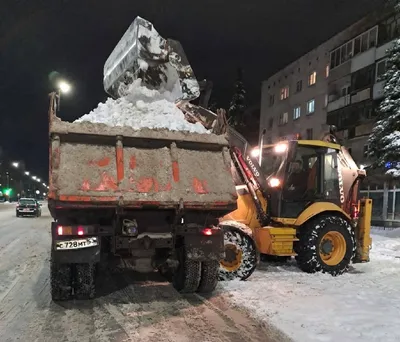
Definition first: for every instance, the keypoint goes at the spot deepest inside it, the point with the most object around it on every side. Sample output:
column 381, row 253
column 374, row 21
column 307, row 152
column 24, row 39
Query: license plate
column 26, row 210
column 77, row 244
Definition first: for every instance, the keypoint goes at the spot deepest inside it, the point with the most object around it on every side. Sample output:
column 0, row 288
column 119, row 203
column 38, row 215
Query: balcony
column 361, row 96
column 363, row 60
column 377, row 92
column 339, row 103
column 381, row 50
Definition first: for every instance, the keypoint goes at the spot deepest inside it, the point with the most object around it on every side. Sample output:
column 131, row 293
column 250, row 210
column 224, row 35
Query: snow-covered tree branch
column 238, row 102
column 384, row 141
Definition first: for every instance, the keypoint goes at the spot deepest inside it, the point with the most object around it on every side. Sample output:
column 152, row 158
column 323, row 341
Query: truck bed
column 95, row 164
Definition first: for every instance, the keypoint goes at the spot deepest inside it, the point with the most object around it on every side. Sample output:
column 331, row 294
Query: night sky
column 75, row 38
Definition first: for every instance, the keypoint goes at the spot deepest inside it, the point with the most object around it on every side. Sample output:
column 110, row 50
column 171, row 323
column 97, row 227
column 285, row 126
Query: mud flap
column 204, row 248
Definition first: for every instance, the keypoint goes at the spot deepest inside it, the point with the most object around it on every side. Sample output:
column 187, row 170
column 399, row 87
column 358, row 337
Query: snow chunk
column 144, row 108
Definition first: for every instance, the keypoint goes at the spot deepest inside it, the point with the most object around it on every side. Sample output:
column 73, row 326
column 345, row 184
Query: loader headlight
column 274, row 182
column 255, row 152
column 280, row 148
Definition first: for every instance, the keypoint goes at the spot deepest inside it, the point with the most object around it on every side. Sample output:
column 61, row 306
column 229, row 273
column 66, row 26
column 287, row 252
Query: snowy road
column 360, row 306
column 127, row 308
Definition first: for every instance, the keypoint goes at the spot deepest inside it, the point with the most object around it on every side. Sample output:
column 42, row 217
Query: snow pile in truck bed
column 143, row 108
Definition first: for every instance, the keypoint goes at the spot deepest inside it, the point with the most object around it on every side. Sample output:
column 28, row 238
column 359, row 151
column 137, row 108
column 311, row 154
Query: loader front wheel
column 326, row 244
column 186, row 278
column 241, row 257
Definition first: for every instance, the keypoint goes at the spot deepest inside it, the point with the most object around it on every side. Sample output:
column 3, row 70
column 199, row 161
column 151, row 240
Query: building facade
column 334, row 84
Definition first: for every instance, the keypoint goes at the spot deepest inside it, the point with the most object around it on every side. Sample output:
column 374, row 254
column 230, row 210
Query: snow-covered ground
column 362, row 305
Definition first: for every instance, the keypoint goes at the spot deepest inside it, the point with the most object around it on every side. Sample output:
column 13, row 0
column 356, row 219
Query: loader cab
column 300, row 173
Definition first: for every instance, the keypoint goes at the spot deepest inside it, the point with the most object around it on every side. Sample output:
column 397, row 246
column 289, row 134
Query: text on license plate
column 76, row 244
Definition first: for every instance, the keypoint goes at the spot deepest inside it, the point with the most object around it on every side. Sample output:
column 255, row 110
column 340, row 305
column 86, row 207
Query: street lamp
column 34, row 177
column 37, row 192
column 64, row 87
column 27, row 173
column 38, row 180
column 15, row 164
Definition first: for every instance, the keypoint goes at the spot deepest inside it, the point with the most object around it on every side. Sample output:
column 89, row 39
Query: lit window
column 296, row 113
column 312, row 78
column 283, row 118
column 327, row 71
column 311, row 106
column 284, row 93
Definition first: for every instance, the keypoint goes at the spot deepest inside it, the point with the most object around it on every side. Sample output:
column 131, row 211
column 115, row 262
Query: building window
column 380, row 69
column 389, row 30
column 327, row 71
column 311, row 106
column 345, row 90
column 271, row 100
column 284, row 93
column 312, row 78
column 283, row 118
column 270, row 123
column 296, row 113
column 309, row 134
column 299, row 86
column 355, row 46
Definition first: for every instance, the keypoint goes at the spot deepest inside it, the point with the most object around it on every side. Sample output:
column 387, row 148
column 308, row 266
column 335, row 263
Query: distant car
column 28, row 206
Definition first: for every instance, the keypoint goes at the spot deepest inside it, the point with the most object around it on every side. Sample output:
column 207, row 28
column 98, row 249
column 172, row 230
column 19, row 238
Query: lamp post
column 63, row 87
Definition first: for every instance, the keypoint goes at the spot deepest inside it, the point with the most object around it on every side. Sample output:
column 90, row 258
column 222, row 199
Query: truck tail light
column 207, row 231
column 74, row 230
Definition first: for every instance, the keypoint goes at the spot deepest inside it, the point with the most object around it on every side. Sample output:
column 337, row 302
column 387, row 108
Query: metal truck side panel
column 129, row 174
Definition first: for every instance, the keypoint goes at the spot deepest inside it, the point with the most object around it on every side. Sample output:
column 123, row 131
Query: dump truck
column 147, row 199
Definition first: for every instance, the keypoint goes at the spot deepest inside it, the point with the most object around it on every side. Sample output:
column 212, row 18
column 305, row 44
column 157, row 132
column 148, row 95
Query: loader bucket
column 160, row 63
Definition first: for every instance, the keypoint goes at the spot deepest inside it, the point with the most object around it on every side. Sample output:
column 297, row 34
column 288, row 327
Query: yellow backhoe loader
column 297, row 198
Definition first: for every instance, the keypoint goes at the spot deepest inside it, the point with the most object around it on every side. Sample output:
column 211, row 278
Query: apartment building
column 354, row 89
column 334, row 84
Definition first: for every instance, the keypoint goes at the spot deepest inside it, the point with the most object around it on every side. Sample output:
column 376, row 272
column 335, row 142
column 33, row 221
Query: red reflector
column 207, row 231
column 80, row 231
column 60, row 230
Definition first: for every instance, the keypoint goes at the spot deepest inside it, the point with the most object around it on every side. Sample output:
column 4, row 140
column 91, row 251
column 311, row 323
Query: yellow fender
column 319, row 208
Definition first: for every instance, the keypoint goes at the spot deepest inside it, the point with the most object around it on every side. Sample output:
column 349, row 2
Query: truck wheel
column 209, row 276
column 61, row 280
column 326, row 244
column 186, row 278
column 85, row 281
column 240, row 255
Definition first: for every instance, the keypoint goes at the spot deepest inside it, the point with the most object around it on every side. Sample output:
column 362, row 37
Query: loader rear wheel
column 61, row 281
column 85, row 281
column 240, row 255
column 209, row 276
column 186, row 278
column 326, row 244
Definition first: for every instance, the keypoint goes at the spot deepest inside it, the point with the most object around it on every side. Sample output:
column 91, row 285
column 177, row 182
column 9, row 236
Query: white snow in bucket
column 144, row 108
